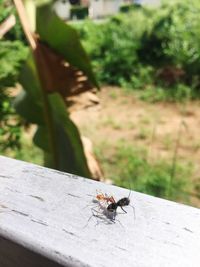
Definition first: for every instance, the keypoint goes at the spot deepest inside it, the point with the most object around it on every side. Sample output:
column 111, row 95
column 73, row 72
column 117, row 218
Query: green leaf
column 29, row 102
column 40, row 138
column 30, row 105
column 28, row 108
column 70, row 147
column 64, row 40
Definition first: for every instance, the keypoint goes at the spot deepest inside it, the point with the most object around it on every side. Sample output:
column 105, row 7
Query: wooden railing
column 46, row 220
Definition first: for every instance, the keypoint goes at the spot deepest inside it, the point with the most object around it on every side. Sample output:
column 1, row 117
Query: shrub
column 174, row 40
column 133, row 50
column 113, row 45
column 16, row 33
column 79, row 12
column 12, row 55
column 126, row 8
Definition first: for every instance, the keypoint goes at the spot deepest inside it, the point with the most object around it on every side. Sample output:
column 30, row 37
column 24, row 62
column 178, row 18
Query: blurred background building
column 70, row 9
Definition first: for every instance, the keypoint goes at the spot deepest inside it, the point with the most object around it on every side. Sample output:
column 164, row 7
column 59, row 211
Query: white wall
column 148, row 2
column 100, row 8
column 62, row 9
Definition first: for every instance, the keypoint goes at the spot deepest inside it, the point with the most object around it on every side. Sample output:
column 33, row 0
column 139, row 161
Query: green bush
column 12, row 55
column 113, row 45
column 174, row 37
column 132, row 50
column 174, row 41
column 79, row 12
column 16, row 33
column 126, row 8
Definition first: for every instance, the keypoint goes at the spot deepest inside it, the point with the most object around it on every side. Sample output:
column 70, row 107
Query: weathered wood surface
column 44, row 222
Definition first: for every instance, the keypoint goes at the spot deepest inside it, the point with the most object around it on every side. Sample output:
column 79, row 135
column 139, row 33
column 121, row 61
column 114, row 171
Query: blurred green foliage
column 158, row 47
column 16, row 33
column 12, row 54
column 130, row 167
column 113, row 45
column 78, row 12
column 124, row 8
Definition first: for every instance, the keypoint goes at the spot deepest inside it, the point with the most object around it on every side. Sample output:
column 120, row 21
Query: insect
column 100, row 211
column 107, row 207
column 105, row 198
column 112, row 207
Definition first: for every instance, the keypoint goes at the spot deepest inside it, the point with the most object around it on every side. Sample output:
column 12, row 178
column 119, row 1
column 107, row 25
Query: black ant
column 120, row 203
column 125, row 201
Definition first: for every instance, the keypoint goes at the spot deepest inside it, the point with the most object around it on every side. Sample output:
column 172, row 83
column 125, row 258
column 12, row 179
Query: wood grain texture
column 44, row 222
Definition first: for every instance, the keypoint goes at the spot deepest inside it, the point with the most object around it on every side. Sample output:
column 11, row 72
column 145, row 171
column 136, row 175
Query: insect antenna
column 129, row 194
column 129, row 198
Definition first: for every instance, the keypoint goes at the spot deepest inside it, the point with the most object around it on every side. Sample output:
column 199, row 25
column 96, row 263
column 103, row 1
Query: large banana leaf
column 63, row 39
column 46, row 82
column 68, row 147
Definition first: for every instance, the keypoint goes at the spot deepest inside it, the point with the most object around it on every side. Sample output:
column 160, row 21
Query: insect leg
column 123, row 209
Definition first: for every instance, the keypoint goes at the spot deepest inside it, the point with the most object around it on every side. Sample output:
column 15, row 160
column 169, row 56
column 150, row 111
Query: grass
column 113, row 95
column 143, row 134
column 167, row 142
column 196, row 146
column 145, row 121
column 131, row 125
column 128, row 166
column 109, row 122
column 178, row 93
column 28, row 152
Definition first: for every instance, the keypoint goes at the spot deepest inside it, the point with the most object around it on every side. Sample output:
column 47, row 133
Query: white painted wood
column 44, row 222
